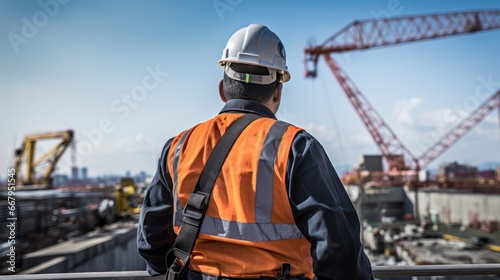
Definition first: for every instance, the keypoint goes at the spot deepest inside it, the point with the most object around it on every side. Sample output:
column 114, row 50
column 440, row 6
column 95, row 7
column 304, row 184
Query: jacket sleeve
column 324, row 213
column 155, row 234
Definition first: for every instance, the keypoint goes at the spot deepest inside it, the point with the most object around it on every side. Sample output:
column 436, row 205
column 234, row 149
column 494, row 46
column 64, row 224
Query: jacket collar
column 247, row 106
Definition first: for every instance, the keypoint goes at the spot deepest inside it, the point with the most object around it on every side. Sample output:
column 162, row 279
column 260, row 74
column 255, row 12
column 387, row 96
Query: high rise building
column 84, row 173
column 74, row 173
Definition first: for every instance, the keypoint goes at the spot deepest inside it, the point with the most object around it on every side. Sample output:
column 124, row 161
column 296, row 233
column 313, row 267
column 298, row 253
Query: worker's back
column 249, row 229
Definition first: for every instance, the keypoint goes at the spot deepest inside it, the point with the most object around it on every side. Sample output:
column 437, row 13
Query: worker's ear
column 221, row 91
column 277, row 93
column 274, row 102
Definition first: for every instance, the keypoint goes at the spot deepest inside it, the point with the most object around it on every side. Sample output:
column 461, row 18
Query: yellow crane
column 38, row 170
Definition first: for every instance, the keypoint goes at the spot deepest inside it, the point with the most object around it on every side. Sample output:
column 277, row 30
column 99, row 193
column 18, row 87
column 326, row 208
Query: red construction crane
column 375, row 33
column 367, row 34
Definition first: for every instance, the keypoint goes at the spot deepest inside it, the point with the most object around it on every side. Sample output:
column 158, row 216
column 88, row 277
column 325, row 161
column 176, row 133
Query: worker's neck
column 273, row 106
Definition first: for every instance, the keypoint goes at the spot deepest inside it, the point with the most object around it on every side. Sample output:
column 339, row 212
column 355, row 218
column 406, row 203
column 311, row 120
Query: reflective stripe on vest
column 249, row 231
column 263, row 229
column 178, row 207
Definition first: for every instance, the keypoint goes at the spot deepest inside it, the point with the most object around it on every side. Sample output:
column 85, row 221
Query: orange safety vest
column 249, row 230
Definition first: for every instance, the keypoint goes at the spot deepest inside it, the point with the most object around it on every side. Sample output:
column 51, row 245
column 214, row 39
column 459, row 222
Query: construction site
column 457, row 210
column 410, row 217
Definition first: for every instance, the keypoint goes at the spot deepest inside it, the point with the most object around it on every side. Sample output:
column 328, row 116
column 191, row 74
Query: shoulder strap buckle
column 195, row 206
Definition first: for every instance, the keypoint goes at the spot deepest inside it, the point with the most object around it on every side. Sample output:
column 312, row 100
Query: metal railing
column 378, row 271
column 437, row 270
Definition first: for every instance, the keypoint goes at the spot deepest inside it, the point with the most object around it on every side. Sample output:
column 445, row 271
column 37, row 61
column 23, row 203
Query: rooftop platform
column 459, row 271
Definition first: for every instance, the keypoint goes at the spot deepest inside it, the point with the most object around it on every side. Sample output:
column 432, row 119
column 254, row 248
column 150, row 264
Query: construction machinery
column 403, row 165
column 33, row 170
column 36, row 171
column 128, row 201
column 51, row 214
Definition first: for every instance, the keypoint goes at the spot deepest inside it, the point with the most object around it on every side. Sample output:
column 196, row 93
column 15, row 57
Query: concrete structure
column 113, row 248
column 455, row 207
column 437, row 251
column 383, row 203
column 370, row 163
column 455, row 172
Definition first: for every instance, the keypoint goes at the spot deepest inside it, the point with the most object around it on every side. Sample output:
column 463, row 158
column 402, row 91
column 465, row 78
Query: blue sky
column 79, row 65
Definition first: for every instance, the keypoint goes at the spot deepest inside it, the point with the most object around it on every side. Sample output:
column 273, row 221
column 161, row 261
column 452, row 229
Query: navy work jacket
column 321, row 207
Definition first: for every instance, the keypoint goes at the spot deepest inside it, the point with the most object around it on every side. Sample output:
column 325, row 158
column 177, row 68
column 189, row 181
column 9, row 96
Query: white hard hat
column 259, row 46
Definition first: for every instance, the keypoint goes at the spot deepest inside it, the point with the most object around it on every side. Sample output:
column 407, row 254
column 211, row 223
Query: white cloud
column 286, row 115
column 486, row 133
column 403, row 108
column 438, row 119
column 134, row 145
column 126, row 145
column 321, row 132
column 138, row 138
column 492, row 119
column 443, row 120
column 362, row 138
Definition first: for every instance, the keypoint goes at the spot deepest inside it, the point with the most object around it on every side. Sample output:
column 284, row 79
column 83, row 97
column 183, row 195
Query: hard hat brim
column 285, row 75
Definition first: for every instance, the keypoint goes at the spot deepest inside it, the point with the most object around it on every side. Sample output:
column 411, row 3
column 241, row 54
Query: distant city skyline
column 63, row 179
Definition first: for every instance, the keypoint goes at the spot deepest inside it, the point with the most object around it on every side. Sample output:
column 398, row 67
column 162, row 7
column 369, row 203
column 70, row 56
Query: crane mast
column 391, row 147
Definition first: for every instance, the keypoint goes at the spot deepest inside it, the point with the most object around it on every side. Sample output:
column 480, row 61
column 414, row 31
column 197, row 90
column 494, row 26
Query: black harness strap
column 197, row 203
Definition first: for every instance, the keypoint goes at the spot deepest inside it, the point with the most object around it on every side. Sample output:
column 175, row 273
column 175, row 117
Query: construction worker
column 277, row 199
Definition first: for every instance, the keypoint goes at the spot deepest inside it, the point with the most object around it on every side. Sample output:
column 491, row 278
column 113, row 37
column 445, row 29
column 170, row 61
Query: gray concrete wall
column 122, row 257
column 112, row 249
column 460, row 208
